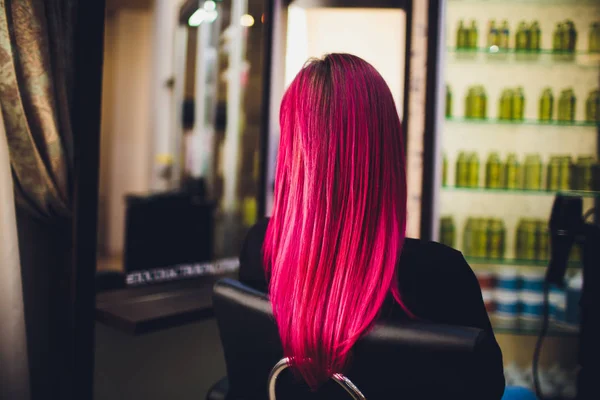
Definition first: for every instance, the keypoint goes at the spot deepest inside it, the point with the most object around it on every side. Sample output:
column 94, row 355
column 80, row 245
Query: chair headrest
column 415, row 333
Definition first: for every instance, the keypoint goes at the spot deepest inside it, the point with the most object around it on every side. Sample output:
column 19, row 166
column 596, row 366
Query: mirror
column 189, row 138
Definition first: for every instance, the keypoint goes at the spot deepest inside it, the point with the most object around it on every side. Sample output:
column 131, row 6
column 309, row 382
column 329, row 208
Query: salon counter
column 151, row 308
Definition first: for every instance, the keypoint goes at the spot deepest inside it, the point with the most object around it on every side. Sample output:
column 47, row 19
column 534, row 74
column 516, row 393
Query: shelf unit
column 500, row 51
column 494, row 56
column 497, row 69
column 536, row 3
column 494, row 121
column 477, row 261
column 556, row 331
column 525, row 192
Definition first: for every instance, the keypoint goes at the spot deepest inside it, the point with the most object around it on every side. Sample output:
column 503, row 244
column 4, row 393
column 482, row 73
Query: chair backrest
column 405, row 360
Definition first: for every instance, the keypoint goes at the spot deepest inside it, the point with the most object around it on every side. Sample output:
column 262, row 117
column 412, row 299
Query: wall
column 125, row 137
column 377, row 35
column 107, row 124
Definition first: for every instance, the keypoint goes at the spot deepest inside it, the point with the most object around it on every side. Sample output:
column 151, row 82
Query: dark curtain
column 36, row 75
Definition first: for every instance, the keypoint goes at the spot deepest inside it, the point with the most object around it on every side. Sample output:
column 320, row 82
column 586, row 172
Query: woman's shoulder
column 429, row 248
column 429, row 256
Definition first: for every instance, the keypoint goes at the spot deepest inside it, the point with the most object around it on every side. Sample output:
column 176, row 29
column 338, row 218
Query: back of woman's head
column 339, row 213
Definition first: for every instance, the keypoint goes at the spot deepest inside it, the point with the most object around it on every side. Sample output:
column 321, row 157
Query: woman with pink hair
column 334, row 257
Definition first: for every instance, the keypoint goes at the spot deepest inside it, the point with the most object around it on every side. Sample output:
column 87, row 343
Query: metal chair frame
column 340, row 379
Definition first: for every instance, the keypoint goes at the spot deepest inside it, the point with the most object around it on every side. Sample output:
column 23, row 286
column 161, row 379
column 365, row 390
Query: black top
column 436, row 284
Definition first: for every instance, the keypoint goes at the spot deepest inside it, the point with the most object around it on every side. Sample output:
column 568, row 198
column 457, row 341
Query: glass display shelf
column 553, row 330
column 515, row 262
column 575, row 193
column 530, row 2
column 494, row 121
column 580, row 58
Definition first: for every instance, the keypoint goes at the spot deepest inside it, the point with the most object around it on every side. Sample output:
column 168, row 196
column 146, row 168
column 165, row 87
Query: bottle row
column 518, row 296
column 511, row 105
column 486, row 238
column 528, row 37
column 561, row 172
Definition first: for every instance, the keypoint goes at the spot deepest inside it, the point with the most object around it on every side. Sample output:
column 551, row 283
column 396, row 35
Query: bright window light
column 247, row 20
column 201, row 15
column 210, row 5
column 197, row 17
column 211, row 16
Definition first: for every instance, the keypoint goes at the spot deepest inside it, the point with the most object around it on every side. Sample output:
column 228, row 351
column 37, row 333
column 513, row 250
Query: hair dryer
column 566, row 223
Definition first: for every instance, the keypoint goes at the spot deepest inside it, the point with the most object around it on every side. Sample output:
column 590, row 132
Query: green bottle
column 518, row 107
column 504, row 36
column 562, row 100
column 493, row 34
column 461, row 36
column 496, row 238
column 529, row 244
column 512, row 172
column 469, row 102
column 565, row 173
column 519, row 236
column 444, row 170
column 584, row 173
column 505, row 105
column 468, row 237
column 522, row 37
column 577, row 174
column 553, row 174
column 546, row 105
column 478, row 106
column 472, row 37
column 447, row 231
column 448, row 102
column 532, row 176
column 592, row 106
column 594, row 38
column 473, row 163
column 462, row 170
column 569, row 102
column 569, row 37
column 493, row 172
column 557, row 38
column 535, row 37
column 543, row 240
column 480, row 238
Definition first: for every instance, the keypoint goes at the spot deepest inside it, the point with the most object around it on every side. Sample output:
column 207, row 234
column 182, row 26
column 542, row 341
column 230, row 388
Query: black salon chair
column 395, row 360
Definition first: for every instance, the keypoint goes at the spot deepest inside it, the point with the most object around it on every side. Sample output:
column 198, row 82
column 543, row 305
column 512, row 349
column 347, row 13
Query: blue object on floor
column 518, row 393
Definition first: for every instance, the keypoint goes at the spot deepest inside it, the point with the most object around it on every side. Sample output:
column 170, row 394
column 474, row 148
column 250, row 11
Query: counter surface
column 145, row 309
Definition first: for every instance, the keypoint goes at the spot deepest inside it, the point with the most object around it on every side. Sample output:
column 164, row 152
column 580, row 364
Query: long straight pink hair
column 339, row 214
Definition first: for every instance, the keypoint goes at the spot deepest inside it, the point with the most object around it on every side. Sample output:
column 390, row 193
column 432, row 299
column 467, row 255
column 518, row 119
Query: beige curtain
column 14, row 371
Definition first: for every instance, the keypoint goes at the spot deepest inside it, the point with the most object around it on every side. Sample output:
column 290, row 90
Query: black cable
column 540, row 341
